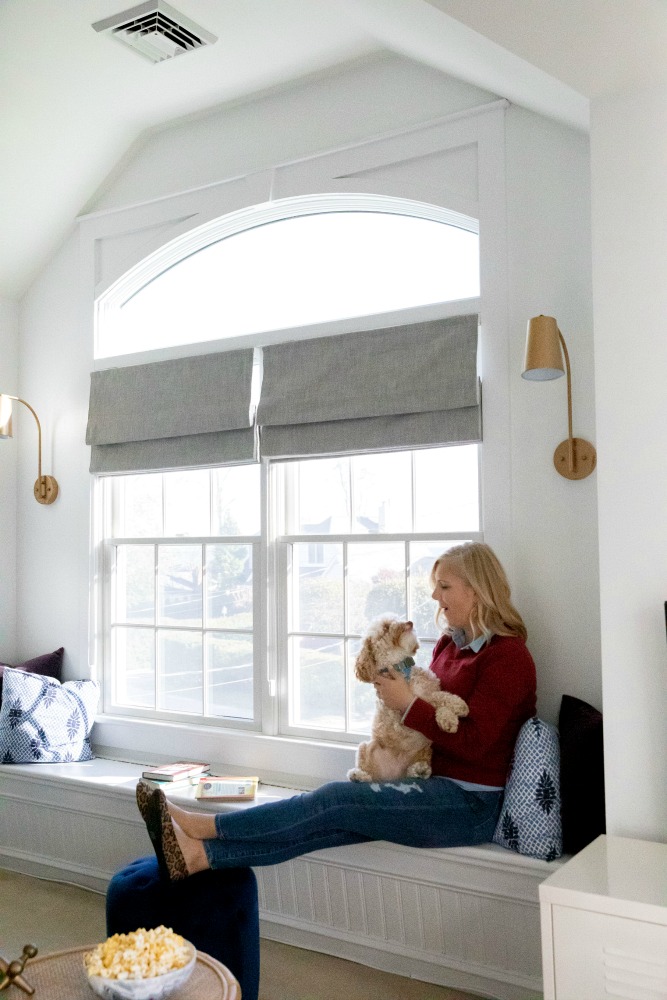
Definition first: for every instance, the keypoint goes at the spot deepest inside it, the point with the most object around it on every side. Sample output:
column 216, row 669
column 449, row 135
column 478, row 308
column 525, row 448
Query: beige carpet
column 54, row 916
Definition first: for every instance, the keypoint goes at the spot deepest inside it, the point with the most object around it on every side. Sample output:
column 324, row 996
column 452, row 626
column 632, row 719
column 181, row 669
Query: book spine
column 170, row 786
column 168, row 773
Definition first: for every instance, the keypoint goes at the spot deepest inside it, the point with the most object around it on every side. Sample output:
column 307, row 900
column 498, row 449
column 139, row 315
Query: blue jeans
column 417, row 812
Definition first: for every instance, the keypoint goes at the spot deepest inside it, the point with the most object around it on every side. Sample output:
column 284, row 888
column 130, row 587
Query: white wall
column 339, row 108
column 9, row 314
column 629, row 167
column 53, row 540
column 553, row 527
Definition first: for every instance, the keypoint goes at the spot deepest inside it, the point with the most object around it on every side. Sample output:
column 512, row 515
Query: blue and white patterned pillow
column 44, row 721
column 530, row 820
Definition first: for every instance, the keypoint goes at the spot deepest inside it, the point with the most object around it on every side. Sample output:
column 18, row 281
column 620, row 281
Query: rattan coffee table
column 61, row 976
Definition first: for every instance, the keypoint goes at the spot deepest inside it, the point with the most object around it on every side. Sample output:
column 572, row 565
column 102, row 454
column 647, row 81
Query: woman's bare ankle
column 192, row 850
column 195, row 825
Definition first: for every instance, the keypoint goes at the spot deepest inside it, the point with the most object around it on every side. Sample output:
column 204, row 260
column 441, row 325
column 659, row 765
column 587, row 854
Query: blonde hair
column 478, row 566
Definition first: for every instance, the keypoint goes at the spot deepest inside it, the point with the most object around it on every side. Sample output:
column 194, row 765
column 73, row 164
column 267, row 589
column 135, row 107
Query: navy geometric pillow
column 530, row 819
column 44, row 721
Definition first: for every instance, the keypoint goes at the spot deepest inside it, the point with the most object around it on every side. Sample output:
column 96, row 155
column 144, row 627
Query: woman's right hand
column 393, row 690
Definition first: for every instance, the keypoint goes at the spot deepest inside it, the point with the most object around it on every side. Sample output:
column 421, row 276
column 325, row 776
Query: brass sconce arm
column 46, row 487
column 570, row 439
column 574, row 458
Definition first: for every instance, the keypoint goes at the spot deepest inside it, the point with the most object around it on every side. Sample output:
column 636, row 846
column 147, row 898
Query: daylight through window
column 237, row 596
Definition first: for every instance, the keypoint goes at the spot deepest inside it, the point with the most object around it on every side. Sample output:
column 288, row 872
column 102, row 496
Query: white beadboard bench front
column 467, row 918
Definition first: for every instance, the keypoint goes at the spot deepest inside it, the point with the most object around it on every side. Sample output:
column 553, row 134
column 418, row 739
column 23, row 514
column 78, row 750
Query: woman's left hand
column 393, row 690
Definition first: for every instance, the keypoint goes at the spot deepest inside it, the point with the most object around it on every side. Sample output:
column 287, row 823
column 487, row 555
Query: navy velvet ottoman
column 215, row 910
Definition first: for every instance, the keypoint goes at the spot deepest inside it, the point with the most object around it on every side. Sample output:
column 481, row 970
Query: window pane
column 137, row 511
column 362, row 696
column 180, row 584
column 135, row 584
column 424, row 654
column 311, row 269
column 382, row 491
column 317, row 591
column 229, row 585
column 376, row 575
column 180, row 672
column 133, row 657
column 230, row 669
column 422, row 606
column 447, row 489
column 236, row 500
column 187, row 503
column 322, row 497
column 317, row 681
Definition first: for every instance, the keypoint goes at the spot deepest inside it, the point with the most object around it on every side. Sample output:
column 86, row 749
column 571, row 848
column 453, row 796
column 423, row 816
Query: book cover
column 226, row 788
column 175, row 771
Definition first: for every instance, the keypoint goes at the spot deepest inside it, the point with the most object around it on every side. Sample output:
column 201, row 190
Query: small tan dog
column 395, row 751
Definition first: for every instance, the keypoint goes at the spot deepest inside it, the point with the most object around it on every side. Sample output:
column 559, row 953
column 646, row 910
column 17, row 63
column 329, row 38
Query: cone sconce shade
column 545, row 351
column 6, row 430
column 46, row 487
column 543, row 359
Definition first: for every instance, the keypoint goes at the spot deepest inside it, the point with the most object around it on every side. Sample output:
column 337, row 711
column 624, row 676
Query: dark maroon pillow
column 48, row 665
column 581, row 773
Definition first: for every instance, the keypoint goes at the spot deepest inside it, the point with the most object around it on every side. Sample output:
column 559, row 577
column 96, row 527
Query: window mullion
column 274, row 569
column 204, row 622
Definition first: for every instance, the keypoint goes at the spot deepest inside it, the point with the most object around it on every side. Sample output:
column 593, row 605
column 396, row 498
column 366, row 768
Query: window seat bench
column 461, row 917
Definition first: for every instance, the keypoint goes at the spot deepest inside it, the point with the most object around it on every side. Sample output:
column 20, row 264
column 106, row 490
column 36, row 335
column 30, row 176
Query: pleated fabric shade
column 400, row 387
column 181, row 413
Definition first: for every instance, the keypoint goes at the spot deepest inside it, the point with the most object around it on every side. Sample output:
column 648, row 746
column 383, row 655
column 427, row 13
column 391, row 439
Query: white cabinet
column 604, row 923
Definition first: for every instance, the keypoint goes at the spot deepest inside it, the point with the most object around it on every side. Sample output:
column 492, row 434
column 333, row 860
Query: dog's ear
column 364, row 665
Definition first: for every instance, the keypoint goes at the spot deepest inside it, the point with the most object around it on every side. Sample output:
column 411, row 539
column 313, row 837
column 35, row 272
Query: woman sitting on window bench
column 482, row 656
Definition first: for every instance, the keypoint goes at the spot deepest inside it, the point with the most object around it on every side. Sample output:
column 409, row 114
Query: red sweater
column 499, row 686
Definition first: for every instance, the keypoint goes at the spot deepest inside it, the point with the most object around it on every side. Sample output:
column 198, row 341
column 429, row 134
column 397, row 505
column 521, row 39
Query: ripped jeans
column 417, row 812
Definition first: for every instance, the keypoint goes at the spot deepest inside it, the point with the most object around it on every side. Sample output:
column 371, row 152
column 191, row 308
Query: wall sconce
column 574, row 458
column 46, row 488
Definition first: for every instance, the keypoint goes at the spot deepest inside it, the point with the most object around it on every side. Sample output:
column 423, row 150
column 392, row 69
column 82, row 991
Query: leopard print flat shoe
column 161, row 831
column 143, row 794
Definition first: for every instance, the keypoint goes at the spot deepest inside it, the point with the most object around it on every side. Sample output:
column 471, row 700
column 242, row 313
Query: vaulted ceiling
column 73, row 100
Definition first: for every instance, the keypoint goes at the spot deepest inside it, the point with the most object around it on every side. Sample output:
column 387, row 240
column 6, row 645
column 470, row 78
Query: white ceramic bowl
column 155, row 988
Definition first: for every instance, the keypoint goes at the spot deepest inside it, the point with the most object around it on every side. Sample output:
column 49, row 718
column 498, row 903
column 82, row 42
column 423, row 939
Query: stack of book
column 179, row 774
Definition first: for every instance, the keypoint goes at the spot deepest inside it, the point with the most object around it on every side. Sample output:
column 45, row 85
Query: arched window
column 200, row 559
column 289, row 266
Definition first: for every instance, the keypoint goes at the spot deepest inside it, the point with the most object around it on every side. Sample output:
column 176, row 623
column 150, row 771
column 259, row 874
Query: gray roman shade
column 172, row 414
column 401, row 387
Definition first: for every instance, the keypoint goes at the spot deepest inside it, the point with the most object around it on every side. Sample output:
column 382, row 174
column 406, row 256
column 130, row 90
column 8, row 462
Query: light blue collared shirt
column 459, row 639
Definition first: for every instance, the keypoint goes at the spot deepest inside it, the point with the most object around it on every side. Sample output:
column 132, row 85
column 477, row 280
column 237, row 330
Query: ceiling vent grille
column 156, row 30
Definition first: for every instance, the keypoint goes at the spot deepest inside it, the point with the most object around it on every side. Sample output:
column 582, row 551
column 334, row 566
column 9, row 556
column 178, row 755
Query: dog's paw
column 447, row 719
column 356, row 774
column 458, row 705
column 419, row 770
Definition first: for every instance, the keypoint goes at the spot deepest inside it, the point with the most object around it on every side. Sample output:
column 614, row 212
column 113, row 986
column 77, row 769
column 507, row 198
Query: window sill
column 277, row 760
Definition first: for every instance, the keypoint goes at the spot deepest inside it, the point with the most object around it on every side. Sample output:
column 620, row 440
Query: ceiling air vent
column 156, row 30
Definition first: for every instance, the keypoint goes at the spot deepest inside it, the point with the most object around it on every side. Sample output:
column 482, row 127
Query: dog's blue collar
column 405, row 667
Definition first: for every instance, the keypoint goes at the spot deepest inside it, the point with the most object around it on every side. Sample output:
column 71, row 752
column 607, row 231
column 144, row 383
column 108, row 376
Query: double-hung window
column 238, row 596
column 235, row 580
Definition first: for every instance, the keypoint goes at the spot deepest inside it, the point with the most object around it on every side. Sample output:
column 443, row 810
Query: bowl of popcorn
column 142, row 965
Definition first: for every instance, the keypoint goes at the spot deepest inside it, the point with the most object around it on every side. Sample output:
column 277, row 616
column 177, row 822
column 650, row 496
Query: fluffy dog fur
column 395, row 751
